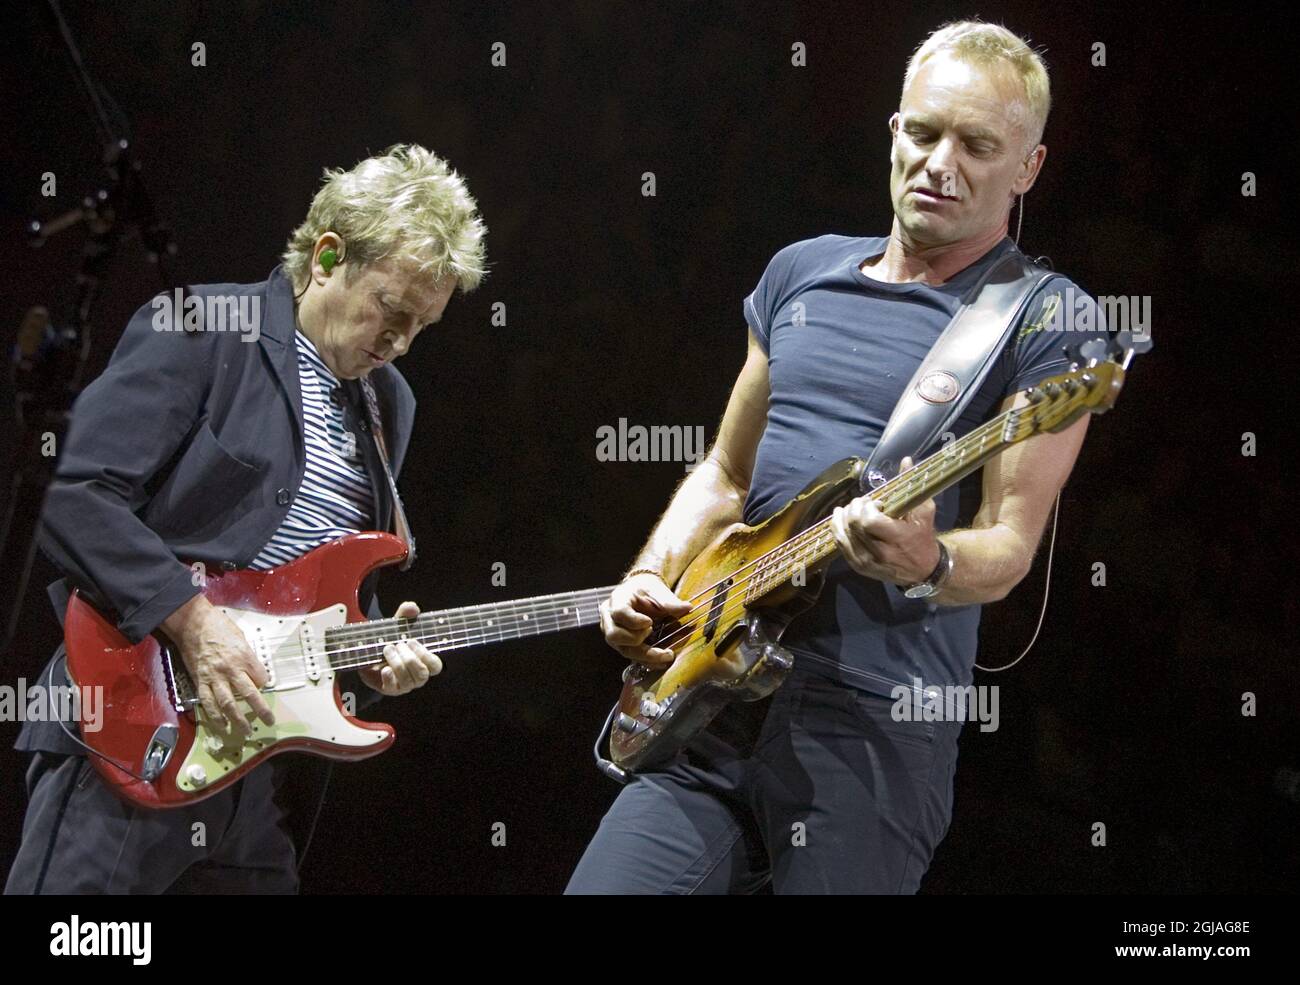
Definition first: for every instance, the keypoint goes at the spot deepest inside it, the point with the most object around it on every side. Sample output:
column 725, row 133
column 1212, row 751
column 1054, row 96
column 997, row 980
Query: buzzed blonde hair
column 405, row 203
column 979, row 43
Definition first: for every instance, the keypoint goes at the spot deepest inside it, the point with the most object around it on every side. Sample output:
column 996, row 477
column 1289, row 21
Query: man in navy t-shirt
column 821, row 788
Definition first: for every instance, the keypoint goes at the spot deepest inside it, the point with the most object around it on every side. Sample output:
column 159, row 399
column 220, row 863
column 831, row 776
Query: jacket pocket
column 206, row 487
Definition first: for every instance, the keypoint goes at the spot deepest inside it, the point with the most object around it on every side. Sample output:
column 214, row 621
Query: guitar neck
column 360, row 644
column 815, row 547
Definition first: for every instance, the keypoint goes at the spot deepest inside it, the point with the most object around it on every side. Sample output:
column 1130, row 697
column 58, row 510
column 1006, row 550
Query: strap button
column 282, row 497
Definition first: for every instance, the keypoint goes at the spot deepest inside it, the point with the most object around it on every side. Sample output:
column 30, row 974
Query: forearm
column 92, row 536
column 708, row 501
column 987, row 562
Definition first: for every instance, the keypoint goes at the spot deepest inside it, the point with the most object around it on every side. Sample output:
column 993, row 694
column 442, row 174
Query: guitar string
column 368, row 630
column 516, row 619
column 536, row 603
column 814, row 537
column 371, row 633
column 296, row 672
column 457, row 637
column 809, row 541
column 919, row 470
column 803, row 547
column 904, row 483
column 441, row 646
column 462, row 636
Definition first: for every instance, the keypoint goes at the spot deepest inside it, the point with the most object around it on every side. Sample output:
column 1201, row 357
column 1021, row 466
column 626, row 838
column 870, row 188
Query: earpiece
column 328, row 258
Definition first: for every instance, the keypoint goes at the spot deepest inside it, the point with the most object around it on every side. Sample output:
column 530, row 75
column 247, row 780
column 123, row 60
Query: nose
column 942, row 160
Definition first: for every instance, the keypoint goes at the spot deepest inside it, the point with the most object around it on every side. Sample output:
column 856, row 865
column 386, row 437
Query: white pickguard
column 300, row 694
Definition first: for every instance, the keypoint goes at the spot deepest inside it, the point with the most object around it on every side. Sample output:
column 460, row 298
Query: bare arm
column 713, row 495
column 1019, row 488
column 710, row 499
column 994, row 554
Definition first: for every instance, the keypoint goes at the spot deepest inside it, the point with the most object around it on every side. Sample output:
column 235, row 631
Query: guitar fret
column 357, row 644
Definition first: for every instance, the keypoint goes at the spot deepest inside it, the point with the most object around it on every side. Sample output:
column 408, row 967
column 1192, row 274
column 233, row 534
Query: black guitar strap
column 400, row 524
column 957, row 365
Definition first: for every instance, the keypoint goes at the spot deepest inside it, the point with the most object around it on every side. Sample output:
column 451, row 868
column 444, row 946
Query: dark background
column 1127, row 711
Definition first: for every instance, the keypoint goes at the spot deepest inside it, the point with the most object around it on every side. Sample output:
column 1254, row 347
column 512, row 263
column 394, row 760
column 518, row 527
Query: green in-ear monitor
column 328, row 258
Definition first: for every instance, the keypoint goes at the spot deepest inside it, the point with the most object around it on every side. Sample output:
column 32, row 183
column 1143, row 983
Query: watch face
column 922, row 591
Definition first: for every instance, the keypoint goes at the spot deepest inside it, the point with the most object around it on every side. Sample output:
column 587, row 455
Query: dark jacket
column 189, row 447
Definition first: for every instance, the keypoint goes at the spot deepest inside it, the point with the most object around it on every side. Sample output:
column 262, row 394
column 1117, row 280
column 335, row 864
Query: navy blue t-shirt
column 841, row 348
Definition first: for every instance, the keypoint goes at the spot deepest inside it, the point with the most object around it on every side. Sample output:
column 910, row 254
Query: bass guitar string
column 815, row 538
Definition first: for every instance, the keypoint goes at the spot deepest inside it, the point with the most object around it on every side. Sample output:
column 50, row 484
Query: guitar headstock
column 1091, row 388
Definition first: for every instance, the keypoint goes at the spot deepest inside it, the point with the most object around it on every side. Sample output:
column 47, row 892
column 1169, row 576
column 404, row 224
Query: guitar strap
column 956, row 366
column 400, row 525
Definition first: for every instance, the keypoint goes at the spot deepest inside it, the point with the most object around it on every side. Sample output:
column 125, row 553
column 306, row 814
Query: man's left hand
column 407, row 664
column 902, row 551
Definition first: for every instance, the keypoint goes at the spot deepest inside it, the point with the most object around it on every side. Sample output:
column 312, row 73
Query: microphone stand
column 48, row 361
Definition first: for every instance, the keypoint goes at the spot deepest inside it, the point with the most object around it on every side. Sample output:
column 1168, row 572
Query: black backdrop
column 1128, row 709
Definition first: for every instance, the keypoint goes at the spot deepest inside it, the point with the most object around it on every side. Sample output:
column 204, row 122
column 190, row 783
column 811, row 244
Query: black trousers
column 817, row 789
column 80, row 838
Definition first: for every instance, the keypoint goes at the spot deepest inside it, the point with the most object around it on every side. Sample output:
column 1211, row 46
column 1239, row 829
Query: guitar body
column 149, row 723
column 733, row 654
column 747, row 585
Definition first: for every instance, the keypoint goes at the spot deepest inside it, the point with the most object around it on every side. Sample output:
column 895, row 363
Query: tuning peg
column 1138, row 342
column 1094, row 350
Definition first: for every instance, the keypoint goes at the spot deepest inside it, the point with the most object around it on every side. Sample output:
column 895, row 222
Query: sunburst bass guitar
column 749, row 584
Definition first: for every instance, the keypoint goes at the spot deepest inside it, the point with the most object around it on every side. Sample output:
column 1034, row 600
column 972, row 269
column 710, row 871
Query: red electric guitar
column 156, row 747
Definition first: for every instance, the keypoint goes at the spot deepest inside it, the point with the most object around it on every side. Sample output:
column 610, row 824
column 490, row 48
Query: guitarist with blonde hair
column 819, row 788
column 243, row 443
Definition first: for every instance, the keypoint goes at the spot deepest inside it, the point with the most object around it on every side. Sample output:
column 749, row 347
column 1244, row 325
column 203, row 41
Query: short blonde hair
column 406, row 202
column 978, row 43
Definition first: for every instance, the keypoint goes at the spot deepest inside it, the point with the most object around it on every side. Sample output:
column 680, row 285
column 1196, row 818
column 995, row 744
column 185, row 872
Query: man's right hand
column 628, row 615
column 221, row 663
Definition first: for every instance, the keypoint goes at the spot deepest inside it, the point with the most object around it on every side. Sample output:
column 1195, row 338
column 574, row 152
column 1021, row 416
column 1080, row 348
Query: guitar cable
column 77, row 739
column 1056, row 514
column 1047, row 585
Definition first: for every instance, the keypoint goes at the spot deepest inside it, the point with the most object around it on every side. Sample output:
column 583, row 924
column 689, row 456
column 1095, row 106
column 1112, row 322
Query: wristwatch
column 938, row 577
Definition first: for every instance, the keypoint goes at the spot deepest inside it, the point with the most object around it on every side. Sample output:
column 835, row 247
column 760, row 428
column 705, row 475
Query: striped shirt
column 335, row 497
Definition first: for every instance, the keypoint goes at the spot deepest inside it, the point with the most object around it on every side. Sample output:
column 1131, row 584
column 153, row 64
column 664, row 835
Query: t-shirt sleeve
column 1060, row 316
column 766, row 299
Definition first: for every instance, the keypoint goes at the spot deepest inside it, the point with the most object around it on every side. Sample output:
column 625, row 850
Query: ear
column 326, row 241
column 893, row 136
column 1029, row 170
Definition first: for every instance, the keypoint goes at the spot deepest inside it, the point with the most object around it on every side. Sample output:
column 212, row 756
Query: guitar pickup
column 312, row 651
column 715, row 608
column 265, row 656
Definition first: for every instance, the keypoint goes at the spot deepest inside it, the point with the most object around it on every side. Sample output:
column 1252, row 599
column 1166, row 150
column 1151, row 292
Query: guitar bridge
column 179, row 686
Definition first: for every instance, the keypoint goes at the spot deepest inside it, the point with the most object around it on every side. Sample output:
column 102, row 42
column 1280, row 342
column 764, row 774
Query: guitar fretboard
column 812, row 548
column 359, row 644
